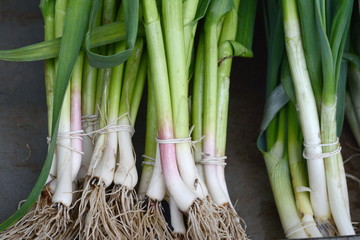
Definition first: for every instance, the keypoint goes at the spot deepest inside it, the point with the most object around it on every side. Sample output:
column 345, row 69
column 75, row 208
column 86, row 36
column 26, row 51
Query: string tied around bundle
column 150, row 163
column 298, row 227
column 308, row 156
column 219, row 161
column 89, row 120
column 69, row 135
column 113, row 127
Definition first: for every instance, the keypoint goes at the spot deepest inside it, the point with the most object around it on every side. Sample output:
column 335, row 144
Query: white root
column 153, row 223
column 127, row 211
column 209, row 221
column 24, row 228
column 231, row 225
column 202, row 222
column 327, row 228
column 95, row 218
column 47, row 222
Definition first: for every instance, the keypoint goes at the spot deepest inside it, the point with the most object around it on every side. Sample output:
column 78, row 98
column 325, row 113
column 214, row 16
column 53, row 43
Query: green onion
column 308, row 114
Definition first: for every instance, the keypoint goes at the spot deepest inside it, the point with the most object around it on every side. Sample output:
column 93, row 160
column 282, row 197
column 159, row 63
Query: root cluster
column 209, row 221
column 117, row 213
column 153, row 223
column 127, row 211
column 327, row 228
column 96, row 219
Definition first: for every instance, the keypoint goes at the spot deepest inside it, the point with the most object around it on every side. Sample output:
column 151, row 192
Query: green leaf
column 201, row 10
column 310, row 43
column 47, row 7
column 131, row 8
column 240, row 50
column 100, row 36
column 340, row 35
column 287, row 81
column 276, row 53
column 276, row 47
column 355, row 33
column 339, row 31
column 246, row 22
column 217, row 10
column 275, row 102
column 271, row 10
column 329, row 80
column 354, row 59
column 245, row 28
column 75, row 26
column 341, row 94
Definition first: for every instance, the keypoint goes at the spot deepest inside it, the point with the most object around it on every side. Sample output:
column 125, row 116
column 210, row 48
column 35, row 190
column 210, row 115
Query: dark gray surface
column 23, row 122
column 22, row 106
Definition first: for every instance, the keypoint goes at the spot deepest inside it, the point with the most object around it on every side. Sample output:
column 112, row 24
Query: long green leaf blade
column 109, row 33
column 310, row 40
column 131, row 25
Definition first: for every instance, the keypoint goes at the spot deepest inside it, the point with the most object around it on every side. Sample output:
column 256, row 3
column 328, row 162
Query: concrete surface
column 23, row 123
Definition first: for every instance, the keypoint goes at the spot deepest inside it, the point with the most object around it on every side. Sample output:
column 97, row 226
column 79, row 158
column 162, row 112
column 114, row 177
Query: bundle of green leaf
column 58, row 212
column 200, row 193
column 306, row 41
column 93, row 101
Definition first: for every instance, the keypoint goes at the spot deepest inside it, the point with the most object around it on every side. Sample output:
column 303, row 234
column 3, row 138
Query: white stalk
column 97, row 154
column 178, row 74
column 189, row 172
column 177, row 218
column 220, row 173
column 200, row 170
column 336, row 180
column 307, row 111
column 279, row 176
column 88, row 148
column 156, row 189
column 215, row 189
column 126, row 173
column 63, row 192
column 199, row 166
column 310, row 226
column 106, row 168
column 52, row 173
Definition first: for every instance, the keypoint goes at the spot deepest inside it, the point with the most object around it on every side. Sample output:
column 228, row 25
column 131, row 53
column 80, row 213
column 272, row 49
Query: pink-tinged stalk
column 173, row 29
column 76, row 143
column 168, row 153
column 177, row 188
column 75, row 120
column 183, row 197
